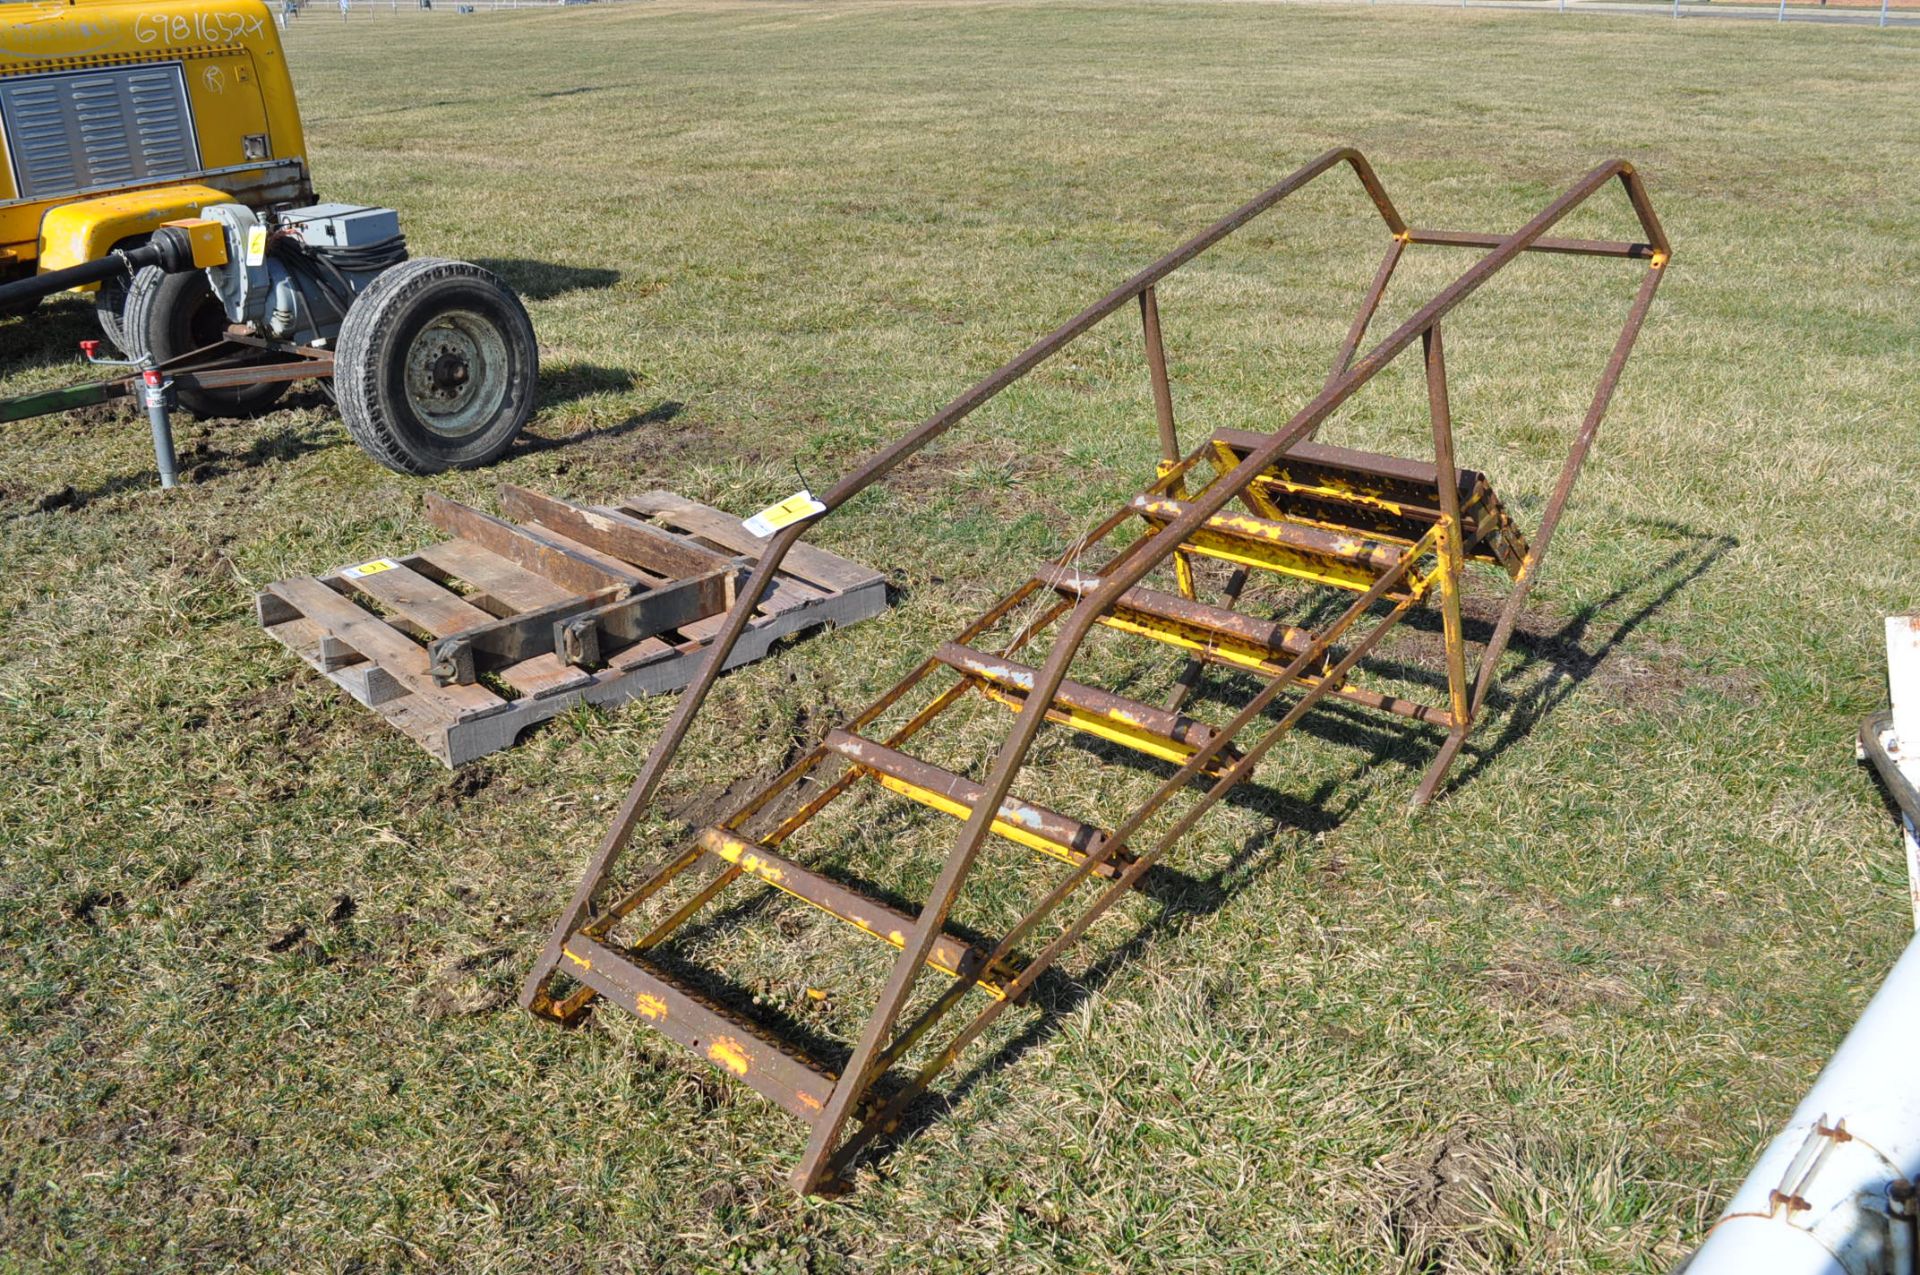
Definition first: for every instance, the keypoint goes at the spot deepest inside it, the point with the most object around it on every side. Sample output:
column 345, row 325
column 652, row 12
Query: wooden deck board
column 374, row 659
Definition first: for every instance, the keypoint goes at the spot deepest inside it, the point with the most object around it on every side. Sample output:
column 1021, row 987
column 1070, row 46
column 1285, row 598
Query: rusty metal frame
column 223, row 365
column 1317, row 670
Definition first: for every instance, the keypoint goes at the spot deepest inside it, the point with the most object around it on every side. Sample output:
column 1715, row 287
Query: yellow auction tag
column 369, row 568
column 256, row 245
column 793, row 509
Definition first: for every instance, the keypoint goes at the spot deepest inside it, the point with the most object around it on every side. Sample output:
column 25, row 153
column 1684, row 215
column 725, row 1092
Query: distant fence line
column 1886, row 15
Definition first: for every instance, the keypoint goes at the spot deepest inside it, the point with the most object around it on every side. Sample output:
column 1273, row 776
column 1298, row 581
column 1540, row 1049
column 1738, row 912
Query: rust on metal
column 1383, row 534
column 1215, row 632
column 1041, row 829
column 1141, row 727
column 1175, row 728
column 949, row 955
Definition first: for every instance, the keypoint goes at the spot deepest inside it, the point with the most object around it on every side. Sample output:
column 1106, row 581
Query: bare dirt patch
column 1440, row 1199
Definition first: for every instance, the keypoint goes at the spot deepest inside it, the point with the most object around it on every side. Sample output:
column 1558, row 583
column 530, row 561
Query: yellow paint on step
column 726, row 1052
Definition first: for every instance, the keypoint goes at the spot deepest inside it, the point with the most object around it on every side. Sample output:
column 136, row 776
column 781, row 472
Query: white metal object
column 1901, row 744
column 1833, row 1193
column 1903, row 675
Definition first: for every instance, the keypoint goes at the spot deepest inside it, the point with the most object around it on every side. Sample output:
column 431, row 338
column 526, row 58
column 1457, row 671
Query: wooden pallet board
column 465, row 644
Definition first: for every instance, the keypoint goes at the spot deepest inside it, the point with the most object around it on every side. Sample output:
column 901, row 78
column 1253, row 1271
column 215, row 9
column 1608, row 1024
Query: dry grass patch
column 257, row 946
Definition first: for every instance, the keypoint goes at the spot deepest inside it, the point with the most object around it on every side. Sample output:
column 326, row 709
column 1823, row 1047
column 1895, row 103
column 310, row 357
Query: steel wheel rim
column 455, row 373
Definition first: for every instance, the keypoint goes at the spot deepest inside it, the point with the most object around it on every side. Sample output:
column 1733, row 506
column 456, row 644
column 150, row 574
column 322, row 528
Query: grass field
column 259, row 950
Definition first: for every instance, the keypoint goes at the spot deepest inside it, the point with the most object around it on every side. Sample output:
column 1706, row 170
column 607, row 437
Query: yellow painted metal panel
column 1106, row 726
column 960, row 810
column 86, row 229
column 237, row 83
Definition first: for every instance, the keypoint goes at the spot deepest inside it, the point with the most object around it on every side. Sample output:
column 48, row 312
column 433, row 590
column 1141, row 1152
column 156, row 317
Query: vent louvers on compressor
column 81, row 129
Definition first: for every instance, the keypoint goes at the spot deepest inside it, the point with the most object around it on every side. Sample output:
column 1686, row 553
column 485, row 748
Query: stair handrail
column 1135, row 562
column 870, row 471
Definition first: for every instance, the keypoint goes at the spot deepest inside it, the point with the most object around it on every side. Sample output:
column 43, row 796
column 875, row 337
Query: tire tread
column 361, row 350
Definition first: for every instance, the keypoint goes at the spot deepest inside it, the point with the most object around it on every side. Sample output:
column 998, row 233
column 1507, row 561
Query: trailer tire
column 436, row 367
column 110, row 300
column 168, row 315
column 109, row 303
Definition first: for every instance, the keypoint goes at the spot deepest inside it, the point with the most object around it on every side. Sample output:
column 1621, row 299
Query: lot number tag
column 789, row 511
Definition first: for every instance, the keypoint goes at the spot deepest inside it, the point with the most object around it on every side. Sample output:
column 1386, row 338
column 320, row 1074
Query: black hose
column 368, row 258
column 170, row 249
column 314, row 267
column 36, row 286
column 330, row 266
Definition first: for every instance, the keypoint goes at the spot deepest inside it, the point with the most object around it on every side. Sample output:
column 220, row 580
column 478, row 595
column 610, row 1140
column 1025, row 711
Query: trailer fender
column 88, row 229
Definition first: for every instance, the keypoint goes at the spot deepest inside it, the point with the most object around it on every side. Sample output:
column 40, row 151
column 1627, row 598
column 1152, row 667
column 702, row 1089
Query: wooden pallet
column 465, row 644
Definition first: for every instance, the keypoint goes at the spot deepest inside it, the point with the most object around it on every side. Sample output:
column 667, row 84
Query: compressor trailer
column 152, row 157
column 433, row 363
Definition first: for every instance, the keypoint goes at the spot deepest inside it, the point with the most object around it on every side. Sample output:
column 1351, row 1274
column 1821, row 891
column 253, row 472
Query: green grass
column 259, row 948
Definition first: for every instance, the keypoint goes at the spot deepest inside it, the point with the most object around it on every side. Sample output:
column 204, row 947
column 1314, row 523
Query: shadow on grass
column 1558, row 662
column 545, row 280
column 1551, row 665
column 204, row 460
column 1181, row 896
column 658, row 414
column 1542, row 667
column 48, row 335
column 199, row 455
column 573, row 381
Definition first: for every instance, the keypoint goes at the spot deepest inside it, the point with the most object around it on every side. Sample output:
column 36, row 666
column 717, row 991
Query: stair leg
column 1438, row 767
column 1452, row 530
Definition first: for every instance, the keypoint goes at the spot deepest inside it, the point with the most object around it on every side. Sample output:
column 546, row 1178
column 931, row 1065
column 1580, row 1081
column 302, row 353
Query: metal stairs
column 1377, row 535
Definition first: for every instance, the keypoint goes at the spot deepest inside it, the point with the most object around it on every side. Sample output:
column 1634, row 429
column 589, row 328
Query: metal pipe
column 1572, row 247
column 1452, row 529
column 159, row 396
column 1549, row 520
column 1818, row 1198
column 1127, row 879
column 1569, row 472
column 1157, row 373
column 1368, row 306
